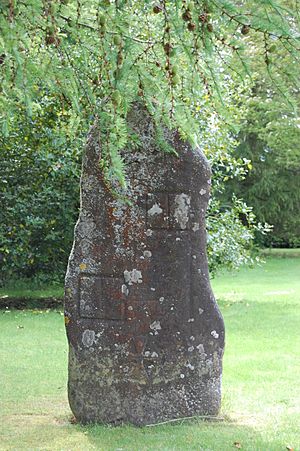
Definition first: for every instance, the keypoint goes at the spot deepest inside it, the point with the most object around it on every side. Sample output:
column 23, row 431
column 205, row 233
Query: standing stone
column 145, row 335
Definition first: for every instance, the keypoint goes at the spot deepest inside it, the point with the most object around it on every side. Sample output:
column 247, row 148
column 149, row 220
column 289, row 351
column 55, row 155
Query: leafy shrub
column 39, row 196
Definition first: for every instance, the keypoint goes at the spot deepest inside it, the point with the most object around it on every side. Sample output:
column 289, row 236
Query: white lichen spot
column 152, row 289
column 191, row 348
column 192, row 338
column 194, row 257
column 147, row 353
column 130, row 308
column 191, row 320
column 86, row 227
column 202, row 192
column 195, row 227
column 214, row 334
column 200, row 348
column 118, row 209
column 155, row 210
column 182, row 206
column 190, row 366
column 147, row 254
column 155, row 325
column 154, row 354
column 178, row 239
column 88, row 337
column 161, row 300
column 125, row 290
column 85, row 246
column 182, row 376
column 200, row 310
column 134, row 276
column 149, row 232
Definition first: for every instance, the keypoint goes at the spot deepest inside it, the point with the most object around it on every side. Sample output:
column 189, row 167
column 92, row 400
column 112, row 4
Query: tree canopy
column 99, row 56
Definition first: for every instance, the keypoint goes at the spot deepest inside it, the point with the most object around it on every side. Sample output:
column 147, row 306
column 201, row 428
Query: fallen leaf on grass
column 20, row 327
column 289, row 448
column 237, row 445
column 73, row 420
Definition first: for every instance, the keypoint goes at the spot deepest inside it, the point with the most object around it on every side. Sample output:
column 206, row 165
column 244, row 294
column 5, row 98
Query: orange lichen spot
column 82, row 266
column 67, row 320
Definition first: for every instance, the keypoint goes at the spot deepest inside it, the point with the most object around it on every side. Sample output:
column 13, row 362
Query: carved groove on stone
column 101, row 297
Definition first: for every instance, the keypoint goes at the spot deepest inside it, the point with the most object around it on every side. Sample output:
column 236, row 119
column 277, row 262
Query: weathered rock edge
column 145, row 335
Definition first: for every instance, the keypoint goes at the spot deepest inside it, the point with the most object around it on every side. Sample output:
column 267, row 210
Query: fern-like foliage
column 99, row 56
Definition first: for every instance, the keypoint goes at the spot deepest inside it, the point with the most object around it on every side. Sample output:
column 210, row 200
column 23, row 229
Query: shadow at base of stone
column 175, row 421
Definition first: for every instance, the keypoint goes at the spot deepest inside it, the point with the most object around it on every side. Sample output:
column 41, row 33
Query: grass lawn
column 261, row 388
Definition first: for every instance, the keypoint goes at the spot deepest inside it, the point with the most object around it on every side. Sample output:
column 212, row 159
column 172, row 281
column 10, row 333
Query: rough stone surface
column 145, row 334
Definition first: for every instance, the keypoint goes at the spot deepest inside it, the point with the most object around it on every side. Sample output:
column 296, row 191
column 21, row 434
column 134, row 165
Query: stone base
column 96, row 398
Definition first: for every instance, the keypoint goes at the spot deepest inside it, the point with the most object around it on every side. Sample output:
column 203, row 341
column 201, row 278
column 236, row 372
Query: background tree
column 181, row 59
column 269, row 137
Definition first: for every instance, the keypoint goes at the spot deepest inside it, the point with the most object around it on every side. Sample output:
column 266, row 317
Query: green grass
column 261, row 389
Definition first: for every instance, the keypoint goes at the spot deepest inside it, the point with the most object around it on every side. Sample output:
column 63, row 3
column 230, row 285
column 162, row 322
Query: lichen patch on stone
column 155, row 325
column 88, row 337
column 181, row 212
column 134, row 276
column 195, row 227
column 155, row 210
column 124, row 290
column 214, row 334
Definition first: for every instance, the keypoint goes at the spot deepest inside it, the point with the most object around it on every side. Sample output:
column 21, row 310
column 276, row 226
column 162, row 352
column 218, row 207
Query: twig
column 201, row 417
column 91, row 27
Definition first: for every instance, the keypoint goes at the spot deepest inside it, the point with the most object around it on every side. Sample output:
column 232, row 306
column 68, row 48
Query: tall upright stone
column 145, row 334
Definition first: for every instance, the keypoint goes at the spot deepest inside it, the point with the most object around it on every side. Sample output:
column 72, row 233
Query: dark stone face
column 145, row 335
